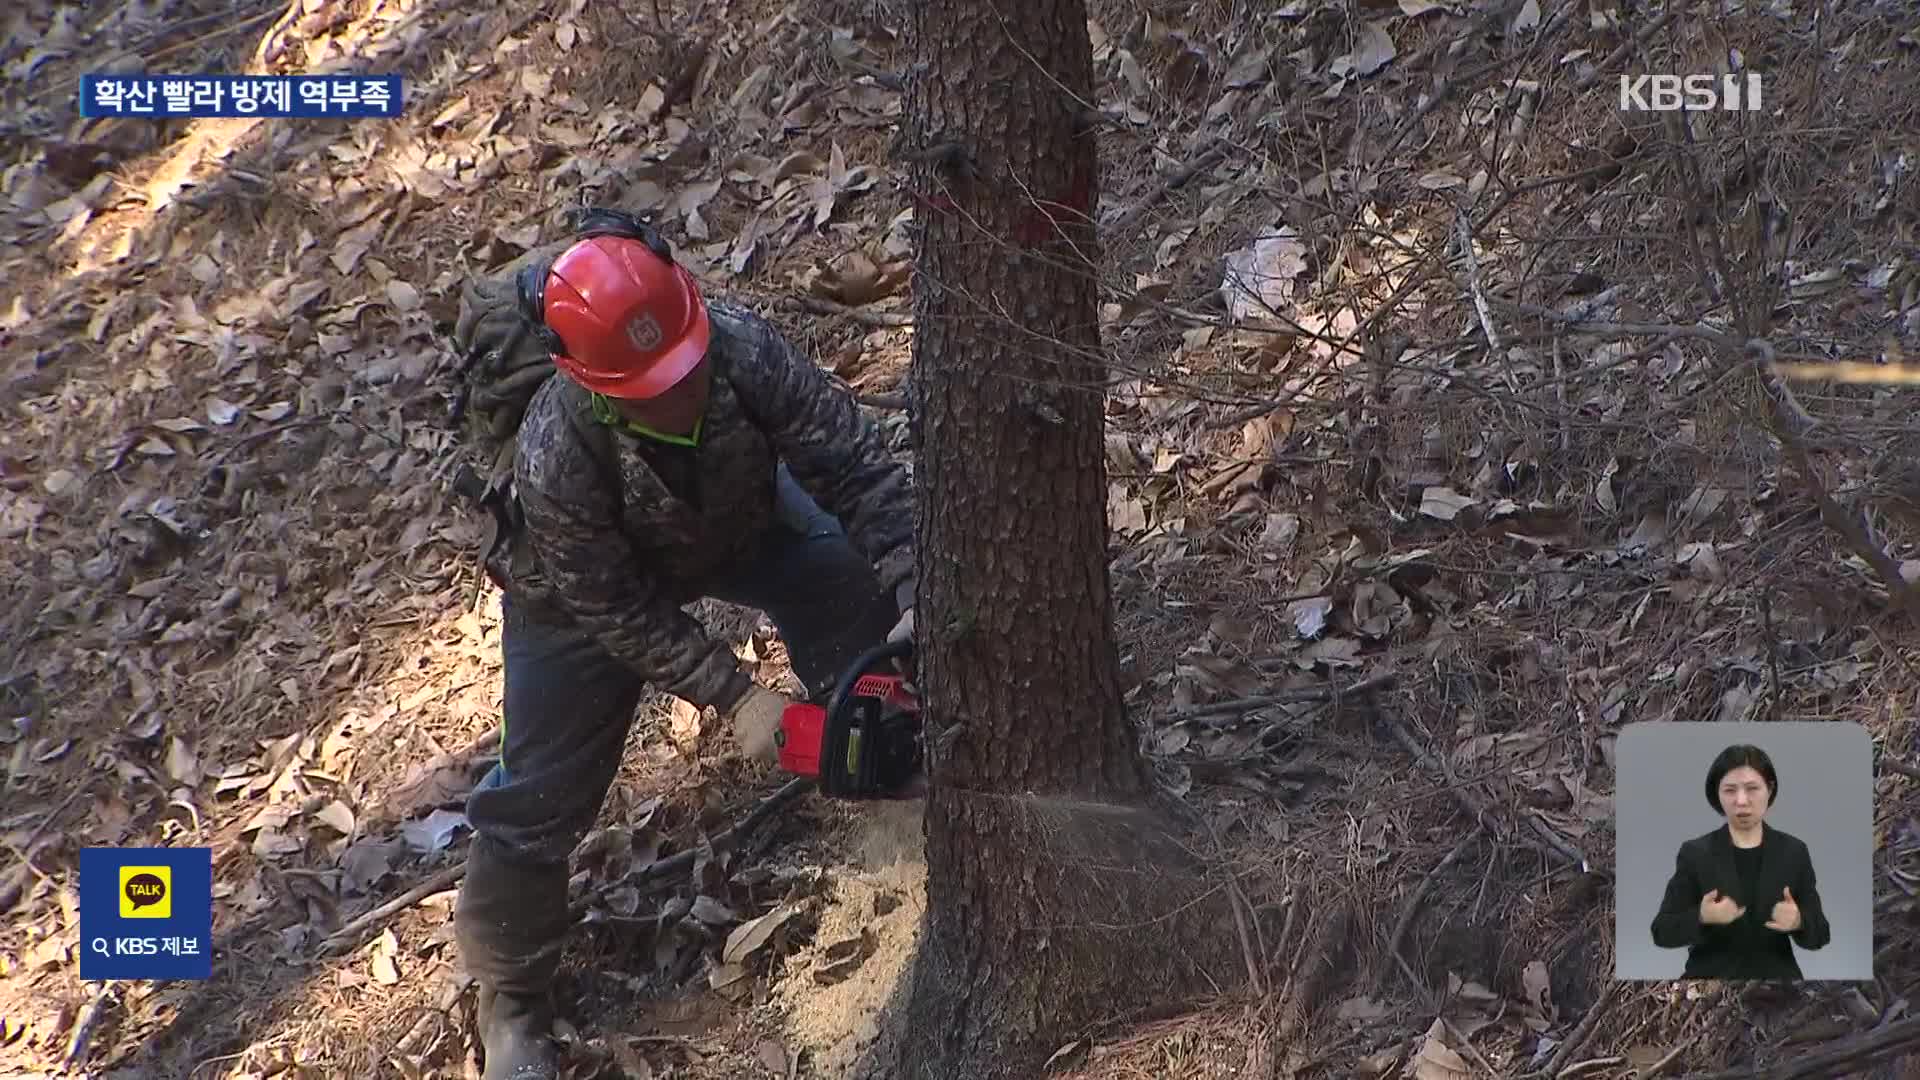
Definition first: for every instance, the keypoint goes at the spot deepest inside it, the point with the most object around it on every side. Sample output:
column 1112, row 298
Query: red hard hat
column 633, row 323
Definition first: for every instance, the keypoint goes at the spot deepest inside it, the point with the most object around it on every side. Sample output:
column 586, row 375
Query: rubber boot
column 509, row 923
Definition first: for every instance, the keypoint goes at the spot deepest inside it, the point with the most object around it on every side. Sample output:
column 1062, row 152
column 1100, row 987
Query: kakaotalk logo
column 146, row 892
column 1692, row 93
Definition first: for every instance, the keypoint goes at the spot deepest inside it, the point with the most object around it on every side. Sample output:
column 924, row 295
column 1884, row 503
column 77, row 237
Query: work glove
column 902, row 630
column 756, row 720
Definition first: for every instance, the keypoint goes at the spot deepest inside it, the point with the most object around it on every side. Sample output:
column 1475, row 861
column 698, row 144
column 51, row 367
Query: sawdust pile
column 835, row 991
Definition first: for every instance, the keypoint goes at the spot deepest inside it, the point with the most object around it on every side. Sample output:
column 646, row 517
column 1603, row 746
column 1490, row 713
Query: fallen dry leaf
column 182, row 765
column 1534, row 978
column 1363, row 1010
column 385, row 971
column 403, row 296
column 1372, row 50
column 1259, row 278
column 337, row 817
column 1436, row 1060
column 1443, row 503
column 750, row 936
column 773, row 1056
column 57, row 481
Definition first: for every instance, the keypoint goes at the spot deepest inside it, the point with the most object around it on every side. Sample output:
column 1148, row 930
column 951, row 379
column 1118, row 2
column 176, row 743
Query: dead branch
column 1638, row 41
column 1856, row 372
column 1791, row 424
column 868, row 318
column 1461, row 1040
column 1310, row 985
column 1620, row 329
column 1413, row 903
column 1584, row 1030
column 659, row 869
column 1901, row 767
column 1242, row 913
column 1296, row 900
column 1465, row 229
column 345, row 938
column 1200, row 163
column 1549, row 842
column 1657, row 1067
column 89, row 1022
column 1284, row 697
column 1589, row 1065
column 1842, row 1056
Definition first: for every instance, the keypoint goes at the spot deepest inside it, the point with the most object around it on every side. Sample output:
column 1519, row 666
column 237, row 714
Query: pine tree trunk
column 1047, row 894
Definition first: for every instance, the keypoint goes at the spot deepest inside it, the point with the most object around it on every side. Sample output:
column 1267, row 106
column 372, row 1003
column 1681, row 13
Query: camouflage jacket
column 619, row 546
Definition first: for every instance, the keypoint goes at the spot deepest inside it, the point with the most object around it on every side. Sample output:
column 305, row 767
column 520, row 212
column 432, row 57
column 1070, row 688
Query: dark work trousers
column 568, row 703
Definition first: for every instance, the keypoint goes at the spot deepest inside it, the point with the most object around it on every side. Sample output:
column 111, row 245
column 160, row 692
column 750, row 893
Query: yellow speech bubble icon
column 146, row 892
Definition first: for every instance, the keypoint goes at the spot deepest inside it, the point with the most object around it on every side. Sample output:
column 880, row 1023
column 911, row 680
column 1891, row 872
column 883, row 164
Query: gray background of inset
column 1825, row 799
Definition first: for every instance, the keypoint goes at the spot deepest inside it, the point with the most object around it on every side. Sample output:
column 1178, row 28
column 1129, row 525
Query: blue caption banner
column 299, row 96
column 146, row 913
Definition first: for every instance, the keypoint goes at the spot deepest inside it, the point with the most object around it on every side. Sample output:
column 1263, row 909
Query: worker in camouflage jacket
column 688, row 451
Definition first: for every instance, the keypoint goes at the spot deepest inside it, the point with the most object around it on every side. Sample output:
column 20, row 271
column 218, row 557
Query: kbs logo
column 1693, row 93
column 146, row 892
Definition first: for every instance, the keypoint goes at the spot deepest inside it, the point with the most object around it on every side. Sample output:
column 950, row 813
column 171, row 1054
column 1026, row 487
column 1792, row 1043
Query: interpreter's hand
column 756, row 720
column 1786, row 913
column 1718, row 909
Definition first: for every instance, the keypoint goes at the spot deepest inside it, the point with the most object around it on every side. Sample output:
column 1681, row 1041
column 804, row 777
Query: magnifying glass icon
column 100, row 946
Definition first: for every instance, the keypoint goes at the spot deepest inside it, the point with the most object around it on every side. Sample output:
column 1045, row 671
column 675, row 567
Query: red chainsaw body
column 803, row 727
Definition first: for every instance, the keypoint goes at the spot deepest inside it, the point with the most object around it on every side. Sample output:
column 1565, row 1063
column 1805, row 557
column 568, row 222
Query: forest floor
column 1534, row 483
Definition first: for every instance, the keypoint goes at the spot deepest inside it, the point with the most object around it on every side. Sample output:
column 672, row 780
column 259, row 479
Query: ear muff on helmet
column 531, row 283
column 530, row 287
column 602, row 221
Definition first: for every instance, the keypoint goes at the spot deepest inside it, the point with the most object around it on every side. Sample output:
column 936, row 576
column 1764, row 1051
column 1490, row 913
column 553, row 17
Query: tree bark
column 1056, row 896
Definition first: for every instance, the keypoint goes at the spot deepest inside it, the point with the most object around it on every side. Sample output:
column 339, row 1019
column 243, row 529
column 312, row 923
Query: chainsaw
column 864, row 743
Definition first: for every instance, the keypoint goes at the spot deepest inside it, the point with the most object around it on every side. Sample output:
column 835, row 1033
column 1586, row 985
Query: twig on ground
column 675, row 864
column 1465, row 229
column 1588, row 1066
column 1284, row 697
column 1296, row 901
column 25, row 850
column 1790, row 424
column 345, row 938
column 1901, row 767
column 1858, row 372
column 1418, row 897
column 1203, row 161
column 1555, row 840
column 1640, row 38
column 868, row 318
column 1583, row 1030
column 268, row 47
column 1658, row 1067
column 1242, row 912
column 1466, row 1046
column 1483, row 811
column 1842, row 1056
column 1621, row 329
column 89, row 1022
column 230, row 28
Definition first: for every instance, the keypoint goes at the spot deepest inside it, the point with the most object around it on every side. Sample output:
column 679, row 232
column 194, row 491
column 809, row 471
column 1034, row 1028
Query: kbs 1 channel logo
column 146, row 913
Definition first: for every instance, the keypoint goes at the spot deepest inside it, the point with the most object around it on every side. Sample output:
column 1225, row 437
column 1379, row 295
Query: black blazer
column 1745, row 948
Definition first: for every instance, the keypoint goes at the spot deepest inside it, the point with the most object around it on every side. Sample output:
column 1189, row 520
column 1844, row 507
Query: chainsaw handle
column 863, row 664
